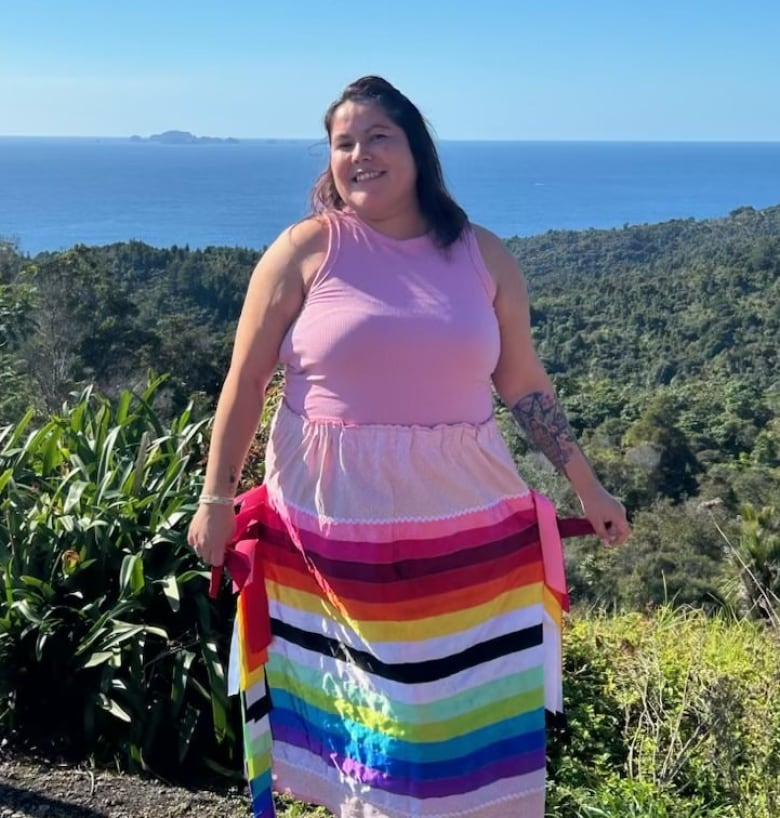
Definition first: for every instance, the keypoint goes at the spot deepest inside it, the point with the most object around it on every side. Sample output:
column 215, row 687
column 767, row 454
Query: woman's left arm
column 524, row 387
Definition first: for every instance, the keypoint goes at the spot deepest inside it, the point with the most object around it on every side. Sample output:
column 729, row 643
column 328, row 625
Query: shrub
column 108, row 642
column 672, row 713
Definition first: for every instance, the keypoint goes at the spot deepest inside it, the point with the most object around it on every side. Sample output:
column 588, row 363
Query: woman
column 414, row 583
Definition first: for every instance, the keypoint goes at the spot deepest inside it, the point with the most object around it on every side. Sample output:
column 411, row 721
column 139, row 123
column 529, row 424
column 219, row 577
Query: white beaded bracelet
column 215, row 500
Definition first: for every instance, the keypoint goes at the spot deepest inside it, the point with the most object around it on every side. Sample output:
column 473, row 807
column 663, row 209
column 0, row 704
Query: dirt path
column 29, row 787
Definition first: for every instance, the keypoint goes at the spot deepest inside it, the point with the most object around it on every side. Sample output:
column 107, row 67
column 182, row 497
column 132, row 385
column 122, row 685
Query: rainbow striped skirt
column 398, row 627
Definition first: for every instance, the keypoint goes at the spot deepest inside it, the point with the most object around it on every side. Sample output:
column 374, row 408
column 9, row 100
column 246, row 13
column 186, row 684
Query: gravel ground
column 36, row 788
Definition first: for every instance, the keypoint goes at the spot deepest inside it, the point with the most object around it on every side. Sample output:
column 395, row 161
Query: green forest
column 663, row 342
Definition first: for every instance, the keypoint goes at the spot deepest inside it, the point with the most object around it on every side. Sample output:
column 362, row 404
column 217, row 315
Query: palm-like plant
column 757, row 556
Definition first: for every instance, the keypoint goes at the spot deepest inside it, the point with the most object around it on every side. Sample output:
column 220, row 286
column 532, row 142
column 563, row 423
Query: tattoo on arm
column 232, row 476
column 545, row 426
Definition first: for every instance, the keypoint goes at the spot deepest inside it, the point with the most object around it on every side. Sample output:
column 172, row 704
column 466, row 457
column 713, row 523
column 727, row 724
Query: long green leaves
column 107, row 637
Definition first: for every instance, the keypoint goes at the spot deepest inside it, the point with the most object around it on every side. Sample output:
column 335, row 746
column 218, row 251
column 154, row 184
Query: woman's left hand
column 606, row 514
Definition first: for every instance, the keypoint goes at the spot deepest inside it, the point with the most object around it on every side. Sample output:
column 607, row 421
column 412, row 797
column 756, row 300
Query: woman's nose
column 360, row 151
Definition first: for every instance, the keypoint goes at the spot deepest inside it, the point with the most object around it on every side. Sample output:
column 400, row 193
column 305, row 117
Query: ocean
column 56, row 192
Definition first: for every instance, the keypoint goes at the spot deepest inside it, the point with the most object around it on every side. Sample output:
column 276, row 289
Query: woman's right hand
column 211, row 529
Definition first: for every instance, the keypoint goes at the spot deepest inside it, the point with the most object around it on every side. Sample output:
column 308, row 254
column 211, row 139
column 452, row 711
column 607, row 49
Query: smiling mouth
column 367, row 175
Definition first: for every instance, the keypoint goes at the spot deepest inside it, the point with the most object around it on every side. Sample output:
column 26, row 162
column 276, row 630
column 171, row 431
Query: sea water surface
column 55, row 192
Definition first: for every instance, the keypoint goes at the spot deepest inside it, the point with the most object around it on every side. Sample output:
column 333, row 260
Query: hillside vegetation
column 663, row 344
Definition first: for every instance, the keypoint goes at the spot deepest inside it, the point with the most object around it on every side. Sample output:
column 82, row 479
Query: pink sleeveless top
column 393, row 332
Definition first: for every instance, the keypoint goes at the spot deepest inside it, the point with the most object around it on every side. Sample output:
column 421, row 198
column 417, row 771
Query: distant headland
column 184, row 138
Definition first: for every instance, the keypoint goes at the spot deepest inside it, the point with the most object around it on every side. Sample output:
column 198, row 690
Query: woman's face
column 371, row 162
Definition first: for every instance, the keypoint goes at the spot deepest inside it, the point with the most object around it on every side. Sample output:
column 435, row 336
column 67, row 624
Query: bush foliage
column 107, row 638
column 671, row 713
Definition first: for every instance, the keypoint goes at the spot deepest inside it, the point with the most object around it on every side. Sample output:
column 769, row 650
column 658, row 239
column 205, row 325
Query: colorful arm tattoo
column 545, row 426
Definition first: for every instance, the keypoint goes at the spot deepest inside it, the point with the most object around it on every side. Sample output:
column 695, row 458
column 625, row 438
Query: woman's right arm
column 273, row 300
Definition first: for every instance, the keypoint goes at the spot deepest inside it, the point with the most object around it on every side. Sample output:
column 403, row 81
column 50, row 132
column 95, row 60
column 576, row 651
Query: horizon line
column 322, row 139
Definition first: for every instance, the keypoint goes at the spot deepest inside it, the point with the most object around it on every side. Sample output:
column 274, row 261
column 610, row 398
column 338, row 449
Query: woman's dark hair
column 445, row 218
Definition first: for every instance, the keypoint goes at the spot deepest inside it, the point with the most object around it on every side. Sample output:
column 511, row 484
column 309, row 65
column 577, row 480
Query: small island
column 184, row 138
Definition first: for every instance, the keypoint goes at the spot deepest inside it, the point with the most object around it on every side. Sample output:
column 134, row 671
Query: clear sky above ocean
column 497, row 69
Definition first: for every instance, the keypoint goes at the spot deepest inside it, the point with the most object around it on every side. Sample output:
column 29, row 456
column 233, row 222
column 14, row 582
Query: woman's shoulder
column 498, row 259
column 489, row 243
column 300, row 248
column 307, row 235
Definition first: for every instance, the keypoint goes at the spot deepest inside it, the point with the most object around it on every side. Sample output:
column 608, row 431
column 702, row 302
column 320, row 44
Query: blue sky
column 493, row 69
